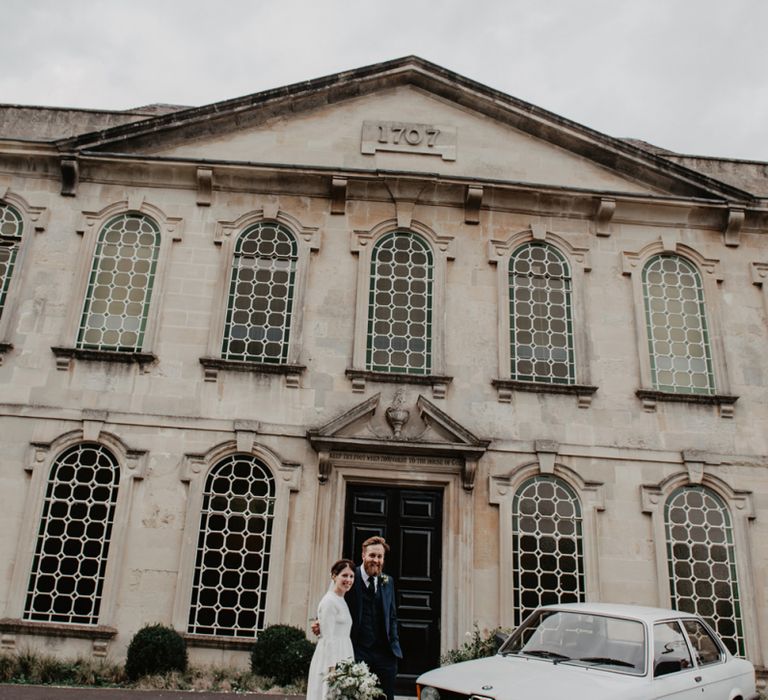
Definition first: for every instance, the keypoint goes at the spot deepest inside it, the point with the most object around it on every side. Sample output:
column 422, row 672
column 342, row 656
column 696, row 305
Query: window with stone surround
column 399, row 337
column 547, row 556
column 543, row 343
column 676, row 325
column 117, row 299
column 11, row 227
column 702, row 561
column 229, row 588
column 261, row 286
column 541, row 316
column 72, row 546
column 261, row 295
column 400, row 304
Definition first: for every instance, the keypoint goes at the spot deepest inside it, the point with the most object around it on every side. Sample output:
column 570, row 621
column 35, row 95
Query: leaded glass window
column 10, row 239
column 261, row 293
column 702, row 561
column 120, row 285
column 70, row 558
column 548, row 556
column 541, row 322
column 400, row 305
column 676, row 321
column 229, row 589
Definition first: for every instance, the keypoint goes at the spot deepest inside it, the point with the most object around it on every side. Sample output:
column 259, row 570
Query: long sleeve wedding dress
column 334, row 643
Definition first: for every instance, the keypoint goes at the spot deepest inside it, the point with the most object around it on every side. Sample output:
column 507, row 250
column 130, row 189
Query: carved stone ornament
column 397, row 416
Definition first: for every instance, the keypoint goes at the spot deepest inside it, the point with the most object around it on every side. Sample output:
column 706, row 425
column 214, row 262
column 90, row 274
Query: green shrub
column 155, row 649
column 282, row 652
column 479, row 645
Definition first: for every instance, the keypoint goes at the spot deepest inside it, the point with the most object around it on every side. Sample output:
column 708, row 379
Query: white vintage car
column 600, row 652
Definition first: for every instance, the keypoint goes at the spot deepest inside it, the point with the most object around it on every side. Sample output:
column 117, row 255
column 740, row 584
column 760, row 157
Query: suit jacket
column 354, row 599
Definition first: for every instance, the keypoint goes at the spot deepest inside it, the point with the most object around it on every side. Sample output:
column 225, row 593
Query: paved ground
column 46, row 692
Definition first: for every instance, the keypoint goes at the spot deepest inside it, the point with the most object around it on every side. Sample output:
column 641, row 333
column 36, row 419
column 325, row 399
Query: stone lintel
column 394, row 454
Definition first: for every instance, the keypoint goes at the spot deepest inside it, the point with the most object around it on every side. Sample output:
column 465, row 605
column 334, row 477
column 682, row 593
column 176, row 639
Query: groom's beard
column 372, row 568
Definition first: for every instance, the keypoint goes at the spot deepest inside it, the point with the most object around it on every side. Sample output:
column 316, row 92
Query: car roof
column 637, row 612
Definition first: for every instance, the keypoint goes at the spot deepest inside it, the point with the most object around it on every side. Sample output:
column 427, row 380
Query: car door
column 710, row 660
column 674, row 673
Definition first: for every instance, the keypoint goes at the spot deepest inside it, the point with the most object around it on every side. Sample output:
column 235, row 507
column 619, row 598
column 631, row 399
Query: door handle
column 697, row 679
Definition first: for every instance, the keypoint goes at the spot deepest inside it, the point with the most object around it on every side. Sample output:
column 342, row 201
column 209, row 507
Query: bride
column 335, row 625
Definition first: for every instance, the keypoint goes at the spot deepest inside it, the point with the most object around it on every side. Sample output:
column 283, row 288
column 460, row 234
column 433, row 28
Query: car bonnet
column 511, row 677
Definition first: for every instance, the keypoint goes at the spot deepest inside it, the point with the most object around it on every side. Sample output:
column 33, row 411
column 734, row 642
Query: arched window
column 399, row 337
column 10, row 239
column 229, row 589
column 67, row 578
column 541, row 319
column 548, row 556
column 675, row 316
column 261, row 294
column 702, row 563
column 120, row 285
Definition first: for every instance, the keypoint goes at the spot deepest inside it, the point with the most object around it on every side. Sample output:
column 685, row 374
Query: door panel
column 411, row 522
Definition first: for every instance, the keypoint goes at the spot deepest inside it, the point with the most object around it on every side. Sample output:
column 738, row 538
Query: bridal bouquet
column 352, row 681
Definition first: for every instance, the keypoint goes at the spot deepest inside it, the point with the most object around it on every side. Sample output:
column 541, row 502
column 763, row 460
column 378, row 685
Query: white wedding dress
column 334, row 643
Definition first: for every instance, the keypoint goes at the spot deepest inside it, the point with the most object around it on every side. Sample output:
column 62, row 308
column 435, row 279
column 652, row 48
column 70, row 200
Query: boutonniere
column 384, row 579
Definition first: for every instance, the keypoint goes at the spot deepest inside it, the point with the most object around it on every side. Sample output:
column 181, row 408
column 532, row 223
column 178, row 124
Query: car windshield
column 610, row 643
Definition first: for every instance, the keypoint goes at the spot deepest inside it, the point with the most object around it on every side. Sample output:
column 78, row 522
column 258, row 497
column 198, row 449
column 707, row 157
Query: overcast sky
column 687, row 75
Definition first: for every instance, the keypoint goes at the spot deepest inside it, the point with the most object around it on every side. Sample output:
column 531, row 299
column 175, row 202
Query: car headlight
column 429, row 693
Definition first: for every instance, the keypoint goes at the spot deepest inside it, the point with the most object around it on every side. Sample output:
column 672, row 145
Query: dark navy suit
column 374, row 629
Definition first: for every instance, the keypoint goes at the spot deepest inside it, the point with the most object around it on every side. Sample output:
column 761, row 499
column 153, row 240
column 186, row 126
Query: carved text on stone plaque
column 408, row 137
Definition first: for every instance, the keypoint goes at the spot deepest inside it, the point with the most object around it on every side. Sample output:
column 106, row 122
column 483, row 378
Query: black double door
column 411, row 521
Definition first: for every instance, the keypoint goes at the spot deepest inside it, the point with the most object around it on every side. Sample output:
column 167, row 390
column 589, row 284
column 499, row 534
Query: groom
column 371, row 602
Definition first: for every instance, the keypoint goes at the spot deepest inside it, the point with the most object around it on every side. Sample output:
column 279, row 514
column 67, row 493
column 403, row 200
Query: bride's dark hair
column 340, row 565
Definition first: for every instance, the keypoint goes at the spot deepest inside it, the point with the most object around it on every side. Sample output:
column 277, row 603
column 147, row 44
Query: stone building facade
column 239, row 338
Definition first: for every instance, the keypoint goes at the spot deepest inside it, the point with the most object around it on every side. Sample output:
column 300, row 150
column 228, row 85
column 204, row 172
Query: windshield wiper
column 606, row 660
column 544, row 654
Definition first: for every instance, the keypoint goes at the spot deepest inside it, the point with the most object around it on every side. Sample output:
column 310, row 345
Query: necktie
column 371, row 585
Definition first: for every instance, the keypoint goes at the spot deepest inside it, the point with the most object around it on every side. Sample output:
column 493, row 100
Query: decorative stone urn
column 397, row 416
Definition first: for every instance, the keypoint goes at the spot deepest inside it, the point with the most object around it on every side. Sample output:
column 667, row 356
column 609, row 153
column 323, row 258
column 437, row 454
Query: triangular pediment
column 404, row 116
column 417, row 428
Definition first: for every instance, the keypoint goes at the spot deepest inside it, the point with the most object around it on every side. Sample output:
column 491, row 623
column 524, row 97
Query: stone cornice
column 498, row 194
